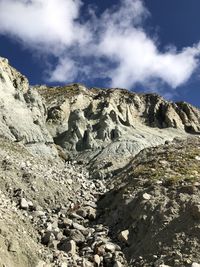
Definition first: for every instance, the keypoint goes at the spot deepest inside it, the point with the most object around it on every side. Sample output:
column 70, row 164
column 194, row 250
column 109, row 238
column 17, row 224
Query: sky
column 140, row 45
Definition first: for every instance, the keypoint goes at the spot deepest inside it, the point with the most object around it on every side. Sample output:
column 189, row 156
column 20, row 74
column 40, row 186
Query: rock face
column 113, row 123
column 22, row 113
column 103, row 122
column 81, row 119
column 96, row 178
column 107, row 127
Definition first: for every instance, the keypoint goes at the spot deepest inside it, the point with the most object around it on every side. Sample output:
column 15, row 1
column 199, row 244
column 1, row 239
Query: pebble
column 79, row 227
column 24, row 203
column 77, row 236
column 67, row 222
column 69, row 247
column 123, row 236
column 110, row 247
column 146, row 196
column 92, row 213
column 97, row 260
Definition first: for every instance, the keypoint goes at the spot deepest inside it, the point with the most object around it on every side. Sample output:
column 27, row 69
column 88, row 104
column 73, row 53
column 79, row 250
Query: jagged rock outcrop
column 108, row 126
column 99, row 121
column 80, row 119
column 22, row 112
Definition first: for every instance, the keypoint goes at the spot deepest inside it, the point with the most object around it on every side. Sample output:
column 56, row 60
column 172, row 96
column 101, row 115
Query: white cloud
column 138, row 59
column 43, row 24
column 129, row 12
column 66, row 70
column 115, row 44
column 135, row 54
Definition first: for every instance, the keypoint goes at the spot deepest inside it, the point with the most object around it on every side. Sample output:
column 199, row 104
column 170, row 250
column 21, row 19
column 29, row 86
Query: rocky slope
column 155, row 200
column 96, row 178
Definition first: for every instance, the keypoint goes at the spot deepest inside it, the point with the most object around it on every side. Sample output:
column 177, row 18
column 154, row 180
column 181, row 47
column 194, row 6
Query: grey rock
column 97, row 260
column 67, row 222
column 146, row 196
column 47, row 238
column 123, row 236
column 92, row 213
column 68, row 247
column 82, row 212
column 77, row 236
column 78, row 227
column 110, row 247
column 24, row 204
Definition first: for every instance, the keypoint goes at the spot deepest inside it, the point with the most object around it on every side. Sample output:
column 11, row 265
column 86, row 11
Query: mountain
column 96, row 177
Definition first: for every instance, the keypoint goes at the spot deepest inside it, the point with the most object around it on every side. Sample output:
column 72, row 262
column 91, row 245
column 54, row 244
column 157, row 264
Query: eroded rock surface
column 100, row 125
column 22, row 113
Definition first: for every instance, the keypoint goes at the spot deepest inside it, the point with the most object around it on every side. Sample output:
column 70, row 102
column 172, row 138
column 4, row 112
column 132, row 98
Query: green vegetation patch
column 176, row 162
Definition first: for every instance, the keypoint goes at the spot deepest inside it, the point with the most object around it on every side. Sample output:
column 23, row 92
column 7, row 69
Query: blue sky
column 148, row 45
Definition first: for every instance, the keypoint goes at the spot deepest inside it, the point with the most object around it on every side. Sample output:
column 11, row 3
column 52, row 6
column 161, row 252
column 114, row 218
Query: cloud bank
column 113, row 45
